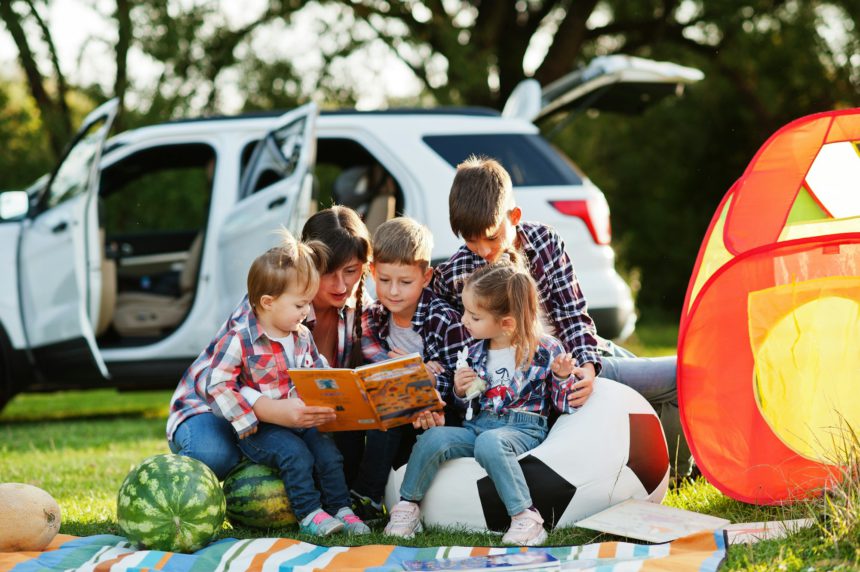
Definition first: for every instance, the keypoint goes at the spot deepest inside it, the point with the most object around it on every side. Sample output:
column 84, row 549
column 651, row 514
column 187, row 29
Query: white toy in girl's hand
column 462, row 358
column 476, row 388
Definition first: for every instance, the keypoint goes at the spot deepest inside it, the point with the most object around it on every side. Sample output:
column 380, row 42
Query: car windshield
column 530, row 160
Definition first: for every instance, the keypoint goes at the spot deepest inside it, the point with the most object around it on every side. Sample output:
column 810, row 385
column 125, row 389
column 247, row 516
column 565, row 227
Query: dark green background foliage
column 766, row 62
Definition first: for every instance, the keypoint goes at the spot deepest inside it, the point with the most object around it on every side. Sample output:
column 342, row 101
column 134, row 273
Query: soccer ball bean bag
column 610, row 450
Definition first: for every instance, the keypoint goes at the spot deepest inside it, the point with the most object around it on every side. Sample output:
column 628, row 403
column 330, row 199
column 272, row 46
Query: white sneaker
column 405, row 520
column 526, row 529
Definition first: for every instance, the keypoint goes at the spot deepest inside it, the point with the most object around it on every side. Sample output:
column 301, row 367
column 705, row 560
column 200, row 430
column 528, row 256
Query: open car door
column 276, row 191
column 617, row 83
column 59, row 259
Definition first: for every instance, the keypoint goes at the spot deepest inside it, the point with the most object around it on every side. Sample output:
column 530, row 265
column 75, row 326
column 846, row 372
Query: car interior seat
column 148, row 314
column 107, row 303
column 368, row 189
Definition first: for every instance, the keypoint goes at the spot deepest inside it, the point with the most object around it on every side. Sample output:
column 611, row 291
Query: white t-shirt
column 405, row 339
column 501, row 366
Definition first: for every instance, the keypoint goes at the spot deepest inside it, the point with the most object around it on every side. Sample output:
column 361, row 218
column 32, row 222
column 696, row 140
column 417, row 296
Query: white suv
column 106, row 285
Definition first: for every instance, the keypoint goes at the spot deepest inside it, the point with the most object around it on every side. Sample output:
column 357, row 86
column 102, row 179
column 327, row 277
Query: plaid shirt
column 189, row 398
column 439, row 327
column 247, row 357
column 558, row 289
column 533, row 389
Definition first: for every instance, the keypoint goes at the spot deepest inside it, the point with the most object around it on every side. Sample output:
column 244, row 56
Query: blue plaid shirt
column 560, row 296
column 439, row 327
column 533, row 389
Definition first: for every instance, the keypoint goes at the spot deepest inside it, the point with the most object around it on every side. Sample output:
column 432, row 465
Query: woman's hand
column 463, row 378
column 579, row 392
column 292, row 413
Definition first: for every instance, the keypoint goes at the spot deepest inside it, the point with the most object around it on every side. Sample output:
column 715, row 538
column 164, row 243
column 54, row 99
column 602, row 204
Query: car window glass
column 276, row 157
column 159, row 189
column 73, row 175
column 529, row 159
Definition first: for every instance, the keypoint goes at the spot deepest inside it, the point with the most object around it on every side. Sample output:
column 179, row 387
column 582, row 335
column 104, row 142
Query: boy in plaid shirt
column 483, row 212
column 253, row 358
column 407, row 318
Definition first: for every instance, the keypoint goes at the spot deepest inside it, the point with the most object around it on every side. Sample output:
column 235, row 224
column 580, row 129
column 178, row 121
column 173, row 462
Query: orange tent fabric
column 769, row 345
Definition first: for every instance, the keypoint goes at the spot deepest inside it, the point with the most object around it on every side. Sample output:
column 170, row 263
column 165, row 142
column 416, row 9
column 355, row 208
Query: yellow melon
column 29, row 517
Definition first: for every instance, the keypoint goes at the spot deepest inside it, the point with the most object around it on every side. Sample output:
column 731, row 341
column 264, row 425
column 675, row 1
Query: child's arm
column 568, row 309
column 569, row 388
column 223, row 386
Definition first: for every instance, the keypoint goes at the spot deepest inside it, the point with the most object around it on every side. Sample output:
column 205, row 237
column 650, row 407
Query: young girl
column 525, row 372
column 252, row 359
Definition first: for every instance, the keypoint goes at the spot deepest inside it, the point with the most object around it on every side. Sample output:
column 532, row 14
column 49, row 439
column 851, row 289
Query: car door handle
column 277, row 202
column 60, row 227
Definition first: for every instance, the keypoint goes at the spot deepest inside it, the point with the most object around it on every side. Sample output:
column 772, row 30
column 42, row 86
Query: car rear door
column 616, row 83
column 276, row 191
column 59, row 260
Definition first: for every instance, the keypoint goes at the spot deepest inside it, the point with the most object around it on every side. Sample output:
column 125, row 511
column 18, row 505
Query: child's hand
column 396, row 352
column 582, row 389
column 249, row 432
column 292, row 413
column 463, row 378
column 428, row 419
column 562, row 366
column 435, row 367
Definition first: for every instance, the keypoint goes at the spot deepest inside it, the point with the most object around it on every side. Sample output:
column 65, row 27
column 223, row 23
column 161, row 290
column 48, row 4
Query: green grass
column 79, row 445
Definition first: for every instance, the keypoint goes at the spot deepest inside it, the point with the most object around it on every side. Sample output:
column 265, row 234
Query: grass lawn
column 79, row 445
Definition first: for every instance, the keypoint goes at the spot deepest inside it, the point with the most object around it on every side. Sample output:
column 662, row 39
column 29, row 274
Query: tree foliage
column 766, row 62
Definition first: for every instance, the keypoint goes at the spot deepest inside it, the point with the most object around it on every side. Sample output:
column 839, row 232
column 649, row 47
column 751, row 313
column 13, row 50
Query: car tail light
column 595, row 215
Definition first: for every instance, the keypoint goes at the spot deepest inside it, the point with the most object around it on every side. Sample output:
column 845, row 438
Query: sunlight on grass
column 79, row 445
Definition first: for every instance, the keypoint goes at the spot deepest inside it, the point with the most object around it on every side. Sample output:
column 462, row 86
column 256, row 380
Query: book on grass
column 650, row 522
column 379, row 395
column 515, row 561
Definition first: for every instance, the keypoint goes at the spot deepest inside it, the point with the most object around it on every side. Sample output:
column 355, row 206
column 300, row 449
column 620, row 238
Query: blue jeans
column 301, row 456
column 494, row 440
column 380, row 451
column 656, row 380
column 208, row 439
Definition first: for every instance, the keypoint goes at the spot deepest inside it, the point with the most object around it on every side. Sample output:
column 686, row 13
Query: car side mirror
column 14, row 205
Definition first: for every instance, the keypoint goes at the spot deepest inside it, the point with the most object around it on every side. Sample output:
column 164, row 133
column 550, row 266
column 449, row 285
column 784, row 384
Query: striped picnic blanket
column 702, row 551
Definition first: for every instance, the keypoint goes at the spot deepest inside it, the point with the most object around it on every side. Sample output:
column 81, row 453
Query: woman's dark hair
column 343, row 232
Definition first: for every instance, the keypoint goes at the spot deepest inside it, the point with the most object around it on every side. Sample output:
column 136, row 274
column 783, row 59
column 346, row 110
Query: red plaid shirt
column 533, row 389
column 247, row 357
column 558, row 289
column 435, row 321
column 189, row 399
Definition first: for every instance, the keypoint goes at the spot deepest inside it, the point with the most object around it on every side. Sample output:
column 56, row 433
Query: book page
column 341, row 390
column 400, row 388
column 650, row 522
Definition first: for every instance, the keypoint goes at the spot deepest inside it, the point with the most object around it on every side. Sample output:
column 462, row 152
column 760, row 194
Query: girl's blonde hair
column 292, row 264
column 506, row 289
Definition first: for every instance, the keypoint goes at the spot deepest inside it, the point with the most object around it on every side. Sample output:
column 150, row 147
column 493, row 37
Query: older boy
column 483, row 212
column 407, row 318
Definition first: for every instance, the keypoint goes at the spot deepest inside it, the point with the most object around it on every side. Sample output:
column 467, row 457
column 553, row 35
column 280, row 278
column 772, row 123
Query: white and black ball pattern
column 612, row 449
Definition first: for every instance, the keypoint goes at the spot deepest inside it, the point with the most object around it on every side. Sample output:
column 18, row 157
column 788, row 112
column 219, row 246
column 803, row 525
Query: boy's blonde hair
column 403, row 240
column 507, row 289
column 481, row 195
column 290, row 265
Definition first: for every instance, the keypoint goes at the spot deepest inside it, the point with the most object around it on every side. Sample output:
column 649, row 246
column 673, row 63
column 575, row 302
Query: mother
column 195, row 431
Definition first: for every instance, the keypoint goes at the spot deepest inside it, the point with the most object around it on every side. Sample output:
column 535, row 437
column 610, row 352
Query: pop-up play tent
column 769, row 345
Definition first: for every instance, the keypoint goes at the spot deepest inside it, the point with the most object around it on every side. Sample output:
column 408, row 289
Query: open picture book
column 375, row 396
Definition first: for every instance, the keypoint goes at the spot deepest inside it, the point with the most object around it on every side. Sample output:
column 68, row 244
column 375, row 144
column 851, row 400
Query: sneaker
column 367, row 508
column 526, row 529
column 320, row 523
column 352, row 523
column 405, row 520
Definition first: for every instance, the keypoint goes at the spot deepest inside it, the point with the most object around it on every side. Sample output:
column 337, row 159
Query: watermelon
column 256, row 497
column 170, row 503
